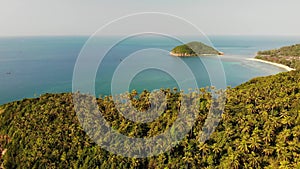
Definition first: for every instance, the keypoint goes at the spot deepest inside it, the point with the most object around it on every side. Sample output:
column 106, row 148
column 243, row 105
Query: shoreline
column 184, row 55
column 272, row 63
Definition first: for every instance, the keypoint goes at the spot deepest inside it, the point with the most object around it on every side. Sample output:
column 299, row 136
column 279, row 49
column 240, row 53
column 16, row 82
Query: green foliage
column 194, row 49
column 293, row 50
column 260, row 128
column 288, row 55
column 184, row 49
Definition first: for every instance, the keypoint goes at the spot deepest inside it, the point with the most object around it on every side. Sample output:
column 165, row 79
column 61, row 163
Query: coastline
column 180, row 54
column 272, row 63
column 188, row 55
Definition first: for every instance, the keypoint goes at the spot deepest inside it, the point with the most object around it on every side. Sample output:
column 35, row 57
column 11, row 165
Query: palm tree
column 268, row 151
column 242, row 146
column 253, row 160
column 254, row 143
column 203, row 148
column 216, row 148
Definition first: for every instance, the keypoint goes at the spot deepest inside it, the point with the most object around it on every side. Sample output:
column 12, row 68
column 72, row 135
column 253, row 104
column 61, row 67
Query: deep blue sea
column 31, row 66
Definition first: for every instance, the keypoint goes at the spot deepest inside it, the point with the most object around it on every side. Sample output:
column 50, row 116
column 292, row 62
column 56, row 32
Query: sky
column 85, row 17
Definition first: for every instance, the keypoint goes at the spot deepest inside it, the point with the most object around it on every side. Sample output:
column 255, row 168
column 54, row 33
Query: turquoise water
column 30, row 66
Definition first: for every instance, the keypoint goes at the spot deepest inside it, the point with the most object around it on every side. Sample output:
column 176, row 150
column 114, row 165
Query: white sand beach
column 272, row 63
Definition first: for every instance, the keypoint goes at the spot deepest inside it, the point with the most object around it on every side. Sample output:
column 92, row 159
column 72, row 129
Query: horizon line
column 89, row 35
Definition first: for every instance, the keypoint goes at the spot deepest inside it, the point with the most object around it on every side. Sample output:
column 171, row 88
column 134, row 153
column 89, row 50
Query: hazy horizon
column 81, row 18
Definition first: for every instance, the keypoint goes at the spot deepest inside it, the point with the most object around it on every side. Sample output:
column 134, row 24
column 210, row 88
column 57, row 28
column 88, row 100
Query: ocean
column 31, row 66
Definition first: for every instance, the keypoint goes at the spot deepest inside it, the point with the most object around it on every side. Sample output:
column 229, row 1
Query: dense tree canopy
column 288, row 55
column 260, row 128
column 194, row 49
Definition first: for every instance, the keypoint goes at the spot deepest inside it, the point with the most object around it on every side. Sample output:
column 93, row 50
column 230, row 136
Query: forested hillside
column 288, row 55
column 260, row 128
column 194, row 49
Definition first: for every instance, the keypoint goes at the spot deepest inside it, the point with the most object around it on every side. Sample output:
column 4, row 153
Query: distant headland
column 194, row 49
column 288, row 56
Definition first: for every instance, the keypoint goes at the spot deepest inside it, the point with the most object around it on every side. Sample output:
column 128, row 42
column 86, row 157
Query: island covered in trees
column 288, row 55
column 194, row 49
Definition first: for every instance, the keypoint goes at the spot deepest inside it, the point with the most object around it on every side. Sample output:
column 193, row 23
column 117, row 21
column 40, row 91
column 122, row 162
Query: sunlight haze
column 214, row 17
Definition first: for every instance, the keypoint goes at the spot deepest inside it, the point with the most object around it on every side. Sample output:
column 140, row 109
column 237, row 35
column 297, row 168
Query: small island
column 194, row 49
